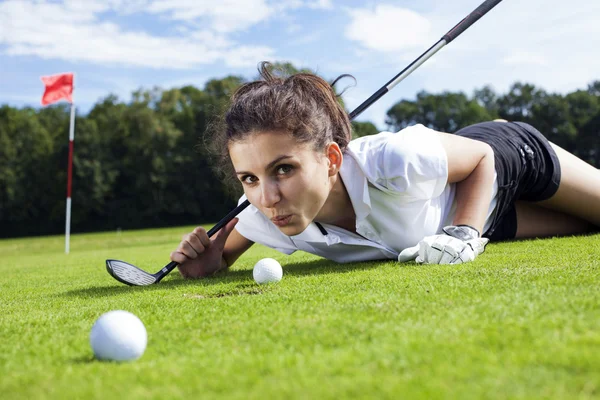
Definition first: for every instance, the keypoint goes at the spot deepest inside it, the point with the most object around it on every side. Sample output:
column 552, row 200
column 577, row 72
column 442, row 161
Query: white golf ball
column 267, row 270
column 118, row 336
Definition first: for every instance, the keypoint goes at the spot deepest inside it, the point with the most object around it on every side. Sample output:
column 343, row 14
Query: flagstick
column 69, row 179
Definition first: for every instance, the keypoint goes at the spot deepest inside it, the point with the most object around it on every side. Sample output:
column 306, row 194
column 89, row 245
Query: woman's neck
column 338, row 209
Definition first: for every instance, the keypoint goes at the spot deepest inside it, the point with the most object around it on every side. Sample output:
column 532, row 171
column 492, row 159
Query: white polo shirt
column 397, row 183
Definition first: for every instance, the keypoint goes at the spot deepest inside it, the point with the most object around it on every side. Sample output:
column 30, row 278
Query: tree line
column 141, row 163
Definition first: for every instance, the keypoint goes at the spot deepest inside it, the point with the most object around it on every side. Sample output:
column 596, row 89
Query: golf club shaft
column 447, row 38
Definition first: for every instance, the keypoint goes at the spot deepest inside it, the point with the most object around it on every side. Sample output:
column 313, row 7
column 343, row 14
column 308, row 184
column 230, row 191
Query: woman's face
column 287, row 181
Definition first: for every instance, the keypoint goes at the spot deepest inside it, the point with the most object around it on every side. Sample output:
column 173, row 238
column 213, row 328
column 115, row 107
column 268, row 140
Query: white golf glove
column 460, row 244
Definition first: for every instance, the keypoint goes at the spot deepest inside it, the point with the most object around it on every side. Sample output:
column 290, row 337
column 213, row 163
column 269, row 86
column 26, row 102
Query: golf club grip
column 470, row 19
column 365, row 104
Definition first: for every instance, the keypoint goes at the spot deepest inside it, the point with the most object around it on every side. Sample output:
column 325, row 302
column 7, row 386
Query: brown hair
column 303, row 105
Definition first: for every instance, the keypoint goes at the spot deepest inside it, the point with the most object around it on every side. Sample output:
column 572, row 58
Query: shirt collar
column 356, row 184
column 312, row 233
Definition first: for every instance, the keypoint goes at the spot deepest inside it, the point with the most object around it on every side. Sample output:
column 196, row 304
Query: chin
column 293, row 229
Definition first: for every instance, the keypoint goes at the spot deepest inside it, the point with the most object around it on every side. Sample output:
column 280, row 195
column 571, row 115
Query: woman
column 416, row 194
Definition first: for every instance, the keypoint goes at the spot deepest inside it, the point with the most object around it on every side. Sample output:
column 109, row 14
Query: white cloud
column 73, row 31
column 123, row 7
column 293, row 28
column 388, row 28
column 223, row 15
column 320, row 4
column 282, row 5
column 543, row 42
column 306, row 38
column 244, row 56
column 76, row 30
column 548, row 43
column 525, row 58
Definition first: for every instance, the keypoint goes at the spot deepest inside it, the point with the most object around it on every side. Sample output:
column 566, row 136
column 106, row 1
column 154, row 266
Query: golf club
column 131, row 275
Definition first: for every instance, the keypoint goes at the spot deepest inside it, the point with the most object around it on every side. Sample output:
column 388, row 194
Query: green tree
column 445, row 112
column 25, row 149
column 488, row 99
column 594, row 88
column 584, row 110
column 360, row 129
column 146, row 162
column 517, row 104
column 550, row 114
column 199, row 195
column 147, row 139
column 94, row 176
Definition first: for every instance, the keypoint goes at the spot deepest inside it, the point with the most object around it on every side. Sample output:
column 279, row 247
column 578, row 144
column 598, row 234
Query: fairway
column 522, row 321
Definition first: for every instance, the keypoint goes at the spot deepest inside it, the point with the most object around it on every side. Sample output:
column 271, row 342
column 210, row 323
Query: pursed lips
column 281, row 220
column 280, row 217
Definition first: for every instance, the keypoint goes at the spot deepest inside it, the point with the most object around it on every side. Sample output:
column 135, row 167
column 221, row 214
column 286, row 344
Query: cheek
column 253, row 194
column 316, row 184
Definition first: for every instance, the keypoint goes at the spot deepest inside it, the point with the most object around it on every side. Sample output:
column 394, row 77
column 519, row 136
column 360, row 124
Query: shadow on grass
column 84, row 360
column 241, row 276
column 93, row 360
column 327, row 267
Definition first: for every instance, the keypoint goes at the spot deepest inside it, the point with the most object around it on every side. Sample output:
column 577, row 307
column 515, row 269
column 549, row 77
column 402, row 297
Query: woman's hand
column 460, row 244
column 198, row 255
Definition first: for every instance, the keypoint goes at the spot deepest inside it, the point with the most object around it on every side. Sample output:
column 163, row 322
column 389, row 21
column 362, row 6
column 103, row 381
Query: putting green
column 522, row 321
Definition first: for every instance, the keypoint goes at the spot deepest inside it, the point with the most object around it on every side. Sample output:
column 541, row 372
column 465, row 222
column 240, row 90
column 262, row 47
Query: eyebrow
column 269, row 165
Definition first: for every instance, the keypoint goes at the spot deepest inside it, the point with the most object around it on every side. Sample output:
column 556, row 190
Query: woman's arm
column 199, row 256
column 471, row 167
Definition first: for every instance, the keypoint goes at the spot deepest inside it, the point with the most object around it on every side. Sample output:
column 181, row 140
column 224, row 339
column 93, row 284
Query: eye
column 248, row 179
column 284, row 169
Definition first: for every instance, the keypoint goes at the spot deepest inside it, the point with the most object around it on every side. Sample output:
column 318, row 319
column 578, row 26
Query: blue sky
column 117, row 46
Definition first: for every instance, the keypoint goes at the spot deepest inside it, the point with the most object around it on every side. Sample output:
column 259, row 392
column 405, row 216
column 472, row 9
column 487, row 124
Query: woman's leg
column 579, row 191
column 536, row 221
column 574, row 208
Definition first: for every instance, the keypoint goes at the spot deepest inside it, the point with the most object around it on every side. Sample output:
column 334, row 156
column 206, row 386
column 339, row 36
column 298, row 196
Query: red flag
column 57, row 87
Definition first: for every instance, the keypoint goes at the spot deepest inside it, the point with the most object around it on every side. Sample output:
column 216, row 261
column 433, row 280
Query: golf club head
column 129, row 274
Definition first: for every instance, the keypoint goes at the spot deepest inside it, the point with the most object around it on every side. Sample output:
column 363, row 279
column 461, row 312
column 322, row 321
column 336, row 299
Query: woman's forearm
column 474, row 194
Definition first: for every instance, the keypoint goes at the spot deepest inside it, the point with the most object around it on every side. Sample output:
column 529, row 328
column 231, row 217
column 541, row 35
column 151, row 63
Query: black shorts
column 527, row 168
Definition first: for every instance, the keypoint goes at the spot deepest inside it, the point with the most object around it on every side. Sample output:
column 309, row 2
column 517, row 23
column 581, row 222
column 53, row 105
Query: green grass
column 521, row 322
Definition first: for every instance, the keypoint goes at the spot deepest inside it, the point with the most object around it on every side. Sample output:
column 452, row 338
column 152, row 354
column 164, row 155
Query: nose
column 270, row 194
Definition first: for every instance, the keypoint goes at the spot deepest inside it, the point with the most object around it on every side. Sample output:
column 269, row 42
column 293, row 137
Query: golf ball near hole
column 267, row 270
column 118, row 336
